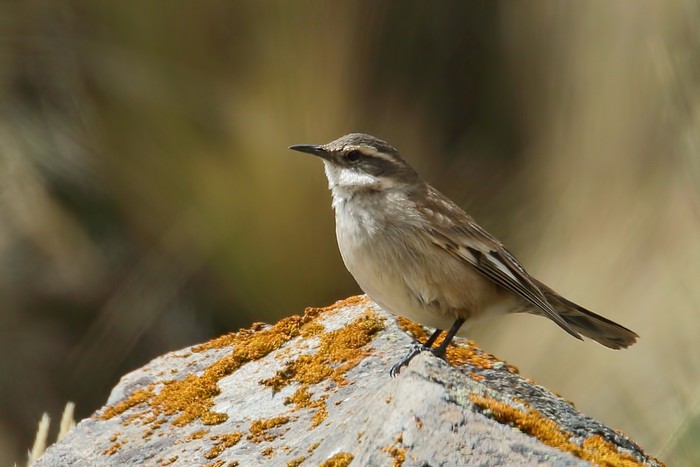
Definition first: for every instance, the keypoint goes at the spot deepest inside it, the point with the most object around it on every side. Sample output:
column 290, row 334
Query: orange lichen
column 192, row 397
column 530, row 422
column 230, row 339
column 311, row 329
column 313, row 447
column 302, row 399
column 396, row 451
column 339, row 351
column 594, row 449
column 197, row 434
column 606, row 454
column 296, row 462
column 306, row 369
column 154, row 423
column 169, row 461
column 137, row 397
column 468, row 353
column 268, row 452
column 223, row 442
column 414, row 329
column 113, row 448
column 227, row 340
column 259, row 428
column 320, row 415
column 218, row 463
column 355, row 300
column 131, row 418
column 459, row 352
column 342, row 459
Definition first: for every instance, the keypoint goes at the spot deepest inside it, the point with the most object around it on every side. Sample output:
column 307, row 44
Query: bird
column 418, row 255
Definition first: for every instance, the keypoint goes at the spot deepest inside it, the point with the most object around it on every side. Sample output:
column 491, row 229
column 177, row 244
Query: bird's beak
column 311, row 149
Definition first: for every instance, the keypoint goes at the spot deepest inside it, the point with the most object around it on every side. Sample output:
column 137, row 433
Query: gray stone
column 316, row 389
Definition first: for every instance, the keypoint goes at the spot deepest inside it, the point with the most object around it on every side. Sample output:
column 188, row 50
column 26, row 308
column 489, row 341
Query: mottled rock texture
column 315, row 390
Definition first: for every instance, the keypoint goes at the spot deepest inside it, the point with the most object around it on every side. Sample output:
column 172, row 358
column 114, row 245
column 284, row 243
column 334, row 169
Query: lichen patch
column 260, row 429
column 313, row 447
column 313, row 328
column 459, row 352
column 191, row 398
column 302, row 400
column 396, row 451
column 594, row 449
column 169, row 461
column 137, row 397
column 223, row 442
column 342, row 459
column 196, row 435
column 339, row 351
column 110, row 451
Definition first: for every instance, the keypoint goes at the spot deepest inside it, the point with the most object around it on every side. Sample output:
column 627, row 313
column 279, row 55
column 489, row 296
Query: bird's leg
column 431, row 340
column 416, row 348
column 441, row 351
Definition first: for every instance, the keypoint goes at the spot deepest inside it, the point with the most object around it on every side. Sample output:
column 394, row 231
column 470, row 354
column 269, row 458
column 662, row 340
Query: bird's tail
column 600, row 329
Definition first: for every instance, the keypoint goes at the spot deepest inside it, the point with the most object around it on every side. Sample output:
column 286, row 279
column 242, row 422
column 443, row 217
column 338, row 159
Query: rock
column 315, row 390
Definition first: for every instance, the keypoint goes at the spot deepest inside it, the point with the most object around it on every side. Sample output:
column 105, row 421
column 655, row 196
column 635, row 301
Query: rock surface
column 315, row 390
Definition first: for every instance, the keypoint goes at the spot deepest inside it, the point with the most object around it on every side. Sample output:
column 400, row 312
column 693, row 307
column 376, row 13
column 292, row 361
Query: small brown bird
column 418, row 255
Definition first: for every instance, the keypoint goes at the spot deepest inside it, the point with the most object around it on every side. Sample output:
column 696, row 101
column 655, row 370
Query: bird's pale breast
column 405, row 273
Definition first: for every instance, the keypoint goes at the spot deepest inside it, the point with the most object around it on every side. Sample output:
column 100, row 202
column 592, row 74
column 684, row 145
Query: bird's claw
column 416, row 348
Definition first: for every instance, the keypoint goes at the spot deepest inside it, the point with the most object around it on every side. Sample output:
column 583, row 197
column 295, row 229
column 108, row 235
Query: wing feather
column 474, row 245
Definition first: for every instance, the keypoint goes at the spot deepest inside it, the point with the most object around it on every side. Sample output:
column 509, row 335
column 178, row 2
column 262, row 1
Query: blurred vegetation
column 148, row 201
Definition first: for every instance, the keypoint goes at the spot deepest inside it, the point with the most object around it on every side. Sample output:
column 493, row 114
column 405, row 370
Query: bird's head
column 359, row 162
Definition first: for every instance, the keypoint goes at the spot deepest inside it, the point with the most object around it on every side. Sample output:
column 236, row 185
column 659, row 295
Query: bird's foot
column 416, row 348
column 439, row 352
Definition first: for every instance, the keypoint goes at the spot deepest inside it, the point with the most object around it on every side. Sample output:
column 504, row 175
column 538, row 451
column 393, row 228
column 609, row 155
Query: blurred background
column 148, row 200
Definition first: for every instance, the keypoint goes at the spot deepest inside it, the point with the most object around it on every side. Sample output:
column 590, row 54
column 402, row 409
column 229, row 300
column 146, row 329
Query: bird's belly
column 418, row 280
column 392, row 294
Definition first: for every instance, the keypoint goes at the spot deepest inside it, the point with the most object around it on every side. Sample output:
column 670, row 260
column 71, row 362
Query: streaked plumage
column 418, row 255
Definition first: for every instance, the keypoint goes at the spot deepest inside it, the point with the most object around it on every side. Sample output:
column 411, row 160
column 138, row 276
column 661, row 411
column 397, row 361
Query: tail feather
column 596, row 327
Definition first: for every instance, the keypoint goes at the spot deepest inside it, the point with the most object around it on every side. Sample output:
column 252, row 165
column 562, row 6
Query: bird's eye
column 354, row 156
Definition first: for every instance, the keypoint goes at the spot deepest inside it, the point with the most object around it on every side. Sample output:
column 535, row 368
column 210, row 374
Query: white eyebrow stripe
column 373, row 152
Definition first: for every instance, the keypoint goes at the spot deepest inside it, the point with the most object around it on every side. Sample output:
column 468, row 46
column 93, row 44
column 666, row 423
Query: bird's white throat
column 345, row 182
column 350, row 179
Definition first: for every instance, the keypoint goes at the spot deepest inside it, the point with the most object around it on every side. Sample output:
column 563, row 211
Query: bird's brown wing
column 456, row 232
